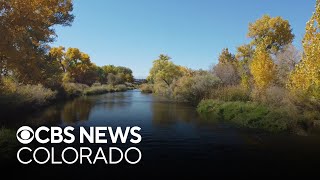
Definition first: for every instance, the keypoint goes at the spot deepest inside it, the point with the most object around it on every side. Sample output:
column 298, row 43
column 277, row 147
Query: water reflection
column 69, row 113
column 77, row 110
column 124, row 106
column 113, row 100
column 49, row 117
column 168, row 113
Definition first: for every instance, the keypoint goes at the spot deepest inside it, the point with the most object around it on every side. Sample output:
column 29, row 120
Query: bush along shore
column 27, row 98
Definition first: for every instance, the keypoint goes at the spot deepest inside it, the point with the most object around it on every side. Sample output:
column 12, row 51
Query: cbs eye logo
column 25, row 134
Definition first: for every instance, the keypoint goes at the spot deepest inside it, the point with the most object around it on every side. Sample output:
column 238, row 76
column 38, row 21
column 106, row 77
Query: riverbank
column 30, row 98
column 257, row 116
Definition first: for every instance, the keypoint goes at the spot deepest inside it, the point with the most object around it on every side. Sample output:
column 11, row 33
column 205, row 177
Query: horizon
column 133, row 34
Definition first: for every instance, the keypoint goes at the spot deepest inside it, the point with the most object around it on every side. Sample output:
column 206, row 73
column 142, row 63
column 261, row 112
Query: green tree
column 109, row 69
column 245, row 53
column 244, row 56
column 164, row 70
column 102, row 76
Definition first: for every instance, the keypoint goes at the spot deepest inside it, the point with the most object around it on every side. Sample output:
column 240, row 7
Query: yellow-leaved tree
column 305, row 78
column 262, row 68
column 26, row 29
column 273, row 32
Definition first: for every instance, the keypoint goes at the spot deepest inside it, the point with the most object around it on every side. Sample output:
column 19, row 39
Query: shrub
column 194, row 89
column 276, row 95
column 96, row 84
column 14, row 95
column 128, row 84
column 74, row 89
column 111, row 79
column 146, row 88
column 227, row 72
column 231, row 93
column 99, row 89
column 95, row 90
column 35, row 94
column 120, row 87
column 162, row 89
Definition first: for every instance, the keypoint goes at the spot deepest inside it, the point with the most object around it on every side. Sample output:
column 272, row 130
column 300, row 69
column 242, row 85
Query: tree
column 57, row 54
column 109, row 69
column 51, row 73
column 274, row 33
column 124, row 73
column 306, row 76
column 226, row 57
column 227, row 73
column 164, row 70
column 244, row 56
column 120, row 78
column 227, row 68
column 262, row 68
column 111, row 79
column 79, row 66
column 286, row 60
column 101, row 75
column 26, row 28
column 195, row 88
column 244, row 53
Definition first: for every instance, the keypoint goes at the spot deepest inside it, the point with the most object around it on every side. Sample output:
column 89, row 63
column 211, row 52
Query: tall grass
column 14, row 95
column 247, row 114
column 98, row 89
column 101, row 89
column 74, row 89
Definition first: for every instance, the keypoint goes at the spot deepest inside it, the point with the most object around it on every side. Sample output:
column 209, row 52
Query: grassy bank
column 20, row 97
column 249, row 114
column 75, row 89
column 16, row 97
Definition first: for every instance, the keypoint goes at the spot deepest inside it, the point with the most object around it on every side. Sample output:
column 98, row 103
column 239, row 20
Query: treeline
column 75, row 66
column 31, row 72
column 267, row 84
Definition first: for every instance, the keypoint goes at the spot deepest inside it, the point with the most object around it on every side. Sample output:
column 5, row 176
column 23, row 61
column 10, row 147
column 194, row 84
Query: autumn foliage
column 262, row 69
column 31, row 72
column 26, row 29
column 306, row 76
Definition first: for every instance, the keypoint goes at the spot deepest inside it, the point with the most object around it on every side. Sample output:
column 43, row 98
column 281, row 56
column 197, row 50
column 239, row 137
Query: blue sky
column 192, row 32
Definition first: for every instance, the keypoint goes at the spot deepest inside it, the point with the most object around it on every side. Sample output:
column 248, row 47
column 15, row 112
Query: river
column 176, row 140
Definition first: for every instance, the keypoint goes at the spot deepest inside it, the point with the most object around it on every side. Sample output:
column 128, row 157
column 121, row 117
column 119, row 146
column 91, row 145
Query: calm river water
column 176, row 141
